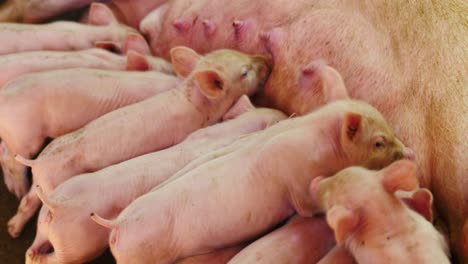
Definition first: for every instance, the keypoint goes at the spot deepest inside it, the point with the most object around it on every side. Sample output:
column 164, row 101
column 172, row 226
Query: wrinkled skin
column 372, row 222
column 75, row 199
column 61, row 36
column 407, row 59
column 263, row 183
column 37, row 106
column 300, row 241
column 210, row 87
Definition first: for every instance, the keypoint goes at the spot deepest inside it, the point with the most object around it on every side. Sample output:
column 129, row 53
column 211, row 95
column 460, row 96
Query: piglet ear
column 137, row 43
column 241, row 106
column 101, row 15
column 211, row 83
column 351, row 126
column 421, row 202
column 184, row 60
column 136, row 61
column 343, row 222
column 400, row 175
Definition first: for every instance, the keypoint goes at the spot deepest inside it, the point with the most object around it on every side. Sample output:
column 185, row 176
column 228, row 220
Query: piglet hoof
column 13, row 229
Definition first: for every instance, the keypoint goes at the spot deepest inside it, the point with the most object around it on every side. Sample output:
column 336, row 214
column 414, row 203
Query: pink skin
column 370, row 43
column 300, row 241
column 212, row 84
column 133, row 11
column 46, row 85
column 208, row 25
column 38, row 106
column 374, row 224
column 218, row 212
column 338, row 255
column 221, row 256
column 75, row 199
column 15, row 65
column 35, row 11
column 61, row 36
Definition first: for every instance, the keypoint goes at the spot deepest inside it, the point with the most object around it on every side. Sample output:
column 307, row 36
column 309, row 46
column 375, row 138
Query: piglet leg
column 28, row 206
column 16, row 181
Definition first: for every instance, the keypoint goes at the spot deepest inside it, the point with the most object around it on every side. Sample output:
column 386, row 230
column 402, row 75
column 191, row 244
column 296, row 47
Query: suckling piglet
column 243, row 194
column 372, row 222
column 49, row 104
column 211, row 85
column 71, row 203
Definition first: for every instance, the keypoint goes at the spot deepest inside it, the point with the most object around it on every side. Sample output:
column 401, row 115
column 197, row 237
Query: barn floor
column 12, row 250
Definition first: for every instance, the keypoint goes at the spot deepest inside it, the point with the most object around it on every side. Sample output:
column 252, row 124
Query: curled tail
column 103, row 222
column 24, row 161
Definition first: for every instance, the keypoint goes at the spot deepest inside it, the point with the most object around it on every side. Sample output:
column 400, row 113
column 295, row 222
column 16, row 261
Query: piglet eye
column 245, row 71
column 379, row 144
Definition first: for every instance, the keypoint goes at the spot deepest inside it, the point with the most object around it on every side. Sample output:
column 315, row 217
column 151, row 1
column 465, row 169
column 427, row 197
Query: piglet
column 50, row 104
column 64, row 35
column 300, row 241
column 38, row 106
column 243, row 194
column 372, row 222
column 17, row 64
column 35, row 11
column 72, row 201
column 212, row 84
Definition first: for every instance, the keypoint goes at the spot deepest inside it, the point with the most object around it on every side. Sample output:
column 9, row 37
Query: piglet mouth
column 44, row 248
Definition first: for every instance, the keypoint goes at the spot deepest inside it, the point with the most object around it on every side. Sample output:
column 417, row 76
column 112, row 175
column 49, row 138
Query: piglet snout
column 408, row 154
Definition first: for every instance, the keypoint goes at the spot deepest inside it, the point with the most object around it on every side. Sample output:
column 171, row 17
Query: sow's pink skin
column 262, row 183
column 373, row 223
column 300, row 241
column 210, row 87
column 370, row 43
column 74, row 200
column 39, row 106
column 61, row 36
column 209, row 25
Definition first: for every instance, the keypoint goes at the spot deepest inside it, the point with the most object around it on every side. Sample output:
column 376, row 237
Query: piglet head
column 220, row 77
column 347, row 196
column 367, row 139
